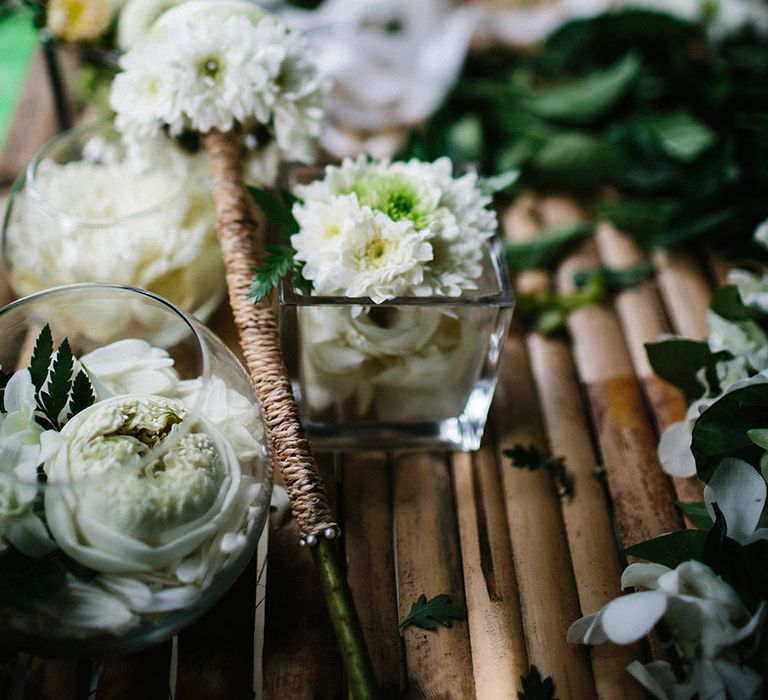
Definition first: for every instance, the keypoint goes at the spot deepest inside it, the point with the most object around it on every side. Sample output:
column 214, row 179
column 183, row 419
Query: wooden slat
column 368, row 540
column 643, row 321
column 685, row 290
column 497, row 638
column 62, row 679
column 542, row 561
column 641, row 493
column 439, row 662
column 142, row 675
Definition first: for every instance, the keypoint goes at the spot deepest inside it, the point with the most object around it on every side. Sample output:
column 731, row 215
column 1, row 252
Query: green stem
column 346, row 624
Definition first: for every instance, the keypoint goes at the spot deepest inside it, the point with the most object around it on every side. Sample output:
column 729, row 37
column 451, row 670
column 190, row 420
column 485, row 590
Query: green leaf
column 41, row 358
column 727, row 302
column 82, row 394
column 498, row 183
column 536, row 688
column 275, row 265
column 577, row 161
column 679, row 361
column 759, row 436
column 276, row 206
column 54, row 400
column 530, row 457
column 713, row 545
column 5, row 377
column 698, row 514
column 722, row 430
column 681, row 136
column 641, row 216
column 585, row 99
column 615, row 280
column 672, row 549
column 427, row 614
column 548, row 248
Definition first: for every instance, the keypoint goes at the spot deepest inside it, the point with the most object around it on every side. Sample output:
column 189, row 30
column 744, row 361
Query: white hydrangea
column 384, row 229
column 207, row 65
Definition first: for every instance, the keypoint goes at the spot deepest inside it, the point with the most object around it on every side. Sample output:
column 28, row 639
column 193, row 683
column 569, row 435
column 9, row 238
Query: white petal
column 642, row 575
column 675, row 450
column 587, row 630
column 742, row 682
column 658, row 679
column 630, row 617
column 19, row 392
column 739, row 491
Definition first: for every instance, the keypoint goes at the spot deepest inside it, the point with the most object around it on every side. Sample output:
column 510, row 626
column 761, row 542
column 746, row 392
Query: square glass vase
column 407, row 373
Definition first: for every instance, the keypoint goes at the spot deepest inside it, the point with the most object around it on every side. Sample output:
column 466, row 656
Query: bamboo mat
column 523, row 561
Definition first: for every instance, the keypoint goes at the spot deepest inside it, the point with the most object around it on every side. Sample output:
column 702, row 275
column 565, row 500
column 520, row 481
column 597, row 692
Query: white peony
column 207, row 65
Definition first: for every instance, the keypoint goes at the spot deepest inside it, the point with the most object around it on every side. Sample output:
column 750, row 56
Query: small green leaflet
column 54, row 386
column 536, row 688
column 530, row 457
column 679, row 361
column 427, row 614
column 276, row 264
column 672, row 549
column 548, row 248
column 276, row 206
column 681, row 136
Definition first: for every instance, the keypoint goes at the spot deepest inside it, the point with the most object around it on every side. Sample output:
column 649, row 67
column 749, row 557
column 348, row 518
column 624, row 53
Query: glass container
column 135, row 478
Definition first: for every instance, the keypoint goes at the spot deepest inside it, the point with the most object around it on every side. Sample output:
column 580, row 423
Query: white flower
column 703, row 614
column 390, row 62
column 384, row 229
column 139, row 485
column 402, row 362
column 136, row 17
column 130, row 366
column 154, row 230
column 78, row 20
column 739, row 491
column 208, row 64
column 741, row 338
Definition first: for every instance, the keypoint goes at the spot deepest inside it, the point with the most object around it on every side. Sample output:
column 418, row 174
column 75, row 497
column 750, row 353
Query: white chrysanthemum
column 78, row 20
column 209, row 65
column 421, row 200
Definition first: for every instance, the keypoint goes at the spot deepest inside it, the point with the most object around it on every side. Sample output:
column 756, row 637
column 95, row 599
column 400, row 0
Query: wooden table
column 523, row 561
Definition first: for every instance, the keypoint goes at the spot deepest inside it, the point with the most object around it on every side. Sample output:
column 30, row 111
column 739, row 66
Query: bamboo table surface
column 523, row 561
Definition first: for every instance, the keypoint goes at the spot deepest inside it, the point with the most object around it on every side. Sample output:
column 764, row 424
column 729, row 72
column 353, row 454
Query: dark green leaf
column 427, row 614
column 679, row 361
column 576, row 161
column 615, row 280
column 82, row 394
column 536, row 688
column 25, row 579
column 548, row 248
column 722, row 430
column 713, row 545
column 583, row 100
column 644, row 217
column 672, row 549
column 530, row 457
column 727, row 302
column 41, row 358
column 275, row 265
column 5, row 377
column 698, row 514
column 59, row 381
column 277, row 208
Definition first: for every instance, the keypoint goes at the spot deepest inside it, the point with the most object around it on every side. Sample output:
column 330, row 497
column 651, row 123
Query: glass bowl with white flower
column 85, row 212
column 134, row 476
column 395, row 302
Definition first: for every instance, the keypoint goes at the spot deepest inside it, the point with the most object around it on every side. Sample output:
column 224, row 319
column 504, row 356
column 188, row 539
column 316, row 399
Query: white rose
column 139, row 485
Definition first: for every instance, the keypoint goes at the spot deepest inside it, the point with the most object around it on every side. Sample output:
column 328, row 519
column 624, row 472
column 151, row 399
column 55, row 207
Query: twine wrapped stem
column 257, row 329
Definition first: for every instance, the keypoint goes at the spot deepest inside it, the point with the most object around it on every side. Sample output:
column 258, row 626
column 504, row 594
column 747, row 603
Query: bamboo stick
column 439, row 663
column 643, row 321
column 367, row 499
column 641, row 493
column 685, row 291
column 545, row 579
column 497, row 638
column 586, row 515
column 142, row 675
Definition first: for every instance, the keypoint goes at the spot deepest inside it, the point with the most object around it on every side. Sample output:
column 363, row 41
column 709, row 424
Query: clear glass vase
column 82, row 212
column 132, row 495
column 411, row 372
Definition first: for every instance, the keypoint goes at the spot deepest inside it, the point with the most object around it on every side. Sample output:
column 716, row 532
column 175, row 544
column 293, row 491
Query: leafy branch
column 530, row 457
column 536, row 688
column 56, row 389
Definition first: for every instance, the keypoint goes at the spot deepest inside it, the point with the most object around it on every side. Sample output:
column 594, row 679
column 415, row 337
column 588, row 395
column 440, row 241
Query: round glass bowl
column 135, row 476
column 84, row 212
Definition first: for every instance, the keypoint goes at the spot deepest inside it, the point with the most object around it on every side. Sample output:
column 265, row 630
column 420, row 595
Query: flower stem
column 346, row 623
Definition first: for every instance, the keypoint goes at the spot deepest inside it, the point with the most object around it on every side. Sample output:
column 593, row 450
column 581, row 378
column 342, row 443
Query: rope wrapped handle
column 257, row 329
